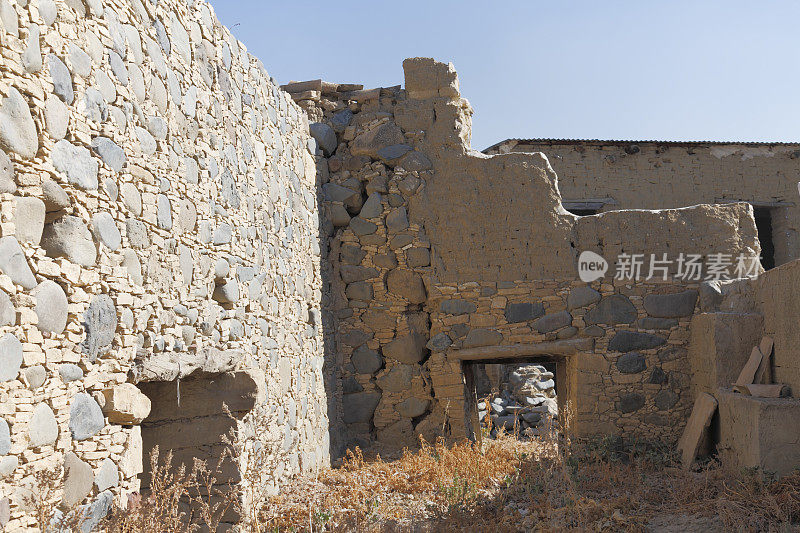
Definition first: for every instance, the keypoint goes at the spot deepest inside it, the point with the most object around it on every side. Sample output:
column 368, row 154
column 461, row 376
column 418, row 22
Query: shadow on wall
column 331, row 369
column 190, row 417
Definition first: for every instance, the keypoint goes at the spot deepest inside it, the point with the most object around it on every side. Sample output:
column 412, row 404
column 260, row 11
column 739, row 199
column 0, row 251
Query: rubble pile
column 526, row 404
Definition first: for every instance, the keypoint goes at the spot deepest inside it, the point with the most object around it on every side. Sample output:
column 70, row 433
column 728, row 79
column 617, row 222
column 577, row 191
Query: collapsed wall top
column 428, row 78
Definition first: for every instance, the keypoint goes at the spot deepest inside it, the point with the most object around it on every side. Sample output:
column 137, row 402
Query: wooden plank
column 748, row 373
column 778, row 390
column 564, row 347
column 764, row 372
column 766, row 346
column 704, row 408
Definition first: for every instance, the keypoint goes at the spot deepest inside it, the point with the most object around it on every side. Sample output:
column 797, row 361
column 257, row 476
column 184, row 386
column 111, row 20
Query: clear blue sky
column 670, row 70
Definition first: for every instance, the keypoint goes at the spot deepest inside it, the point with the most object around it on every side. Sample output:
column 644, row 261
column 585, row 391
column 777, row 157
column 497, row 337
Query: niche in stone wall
column 192, row 417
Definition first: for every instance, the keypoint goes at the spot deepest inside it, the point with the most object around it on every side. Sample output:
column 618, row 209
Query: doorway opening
column 763, row 216
column 191, row 419
column 519, row 396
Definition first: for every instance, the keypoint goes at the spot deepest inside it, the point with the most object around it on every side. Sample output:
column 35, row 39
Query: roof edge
column 619, row 142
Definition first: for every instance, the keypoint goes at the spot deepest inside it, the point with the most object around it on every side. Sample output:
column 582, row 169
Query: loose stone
column 78, row 480
column 43, row 427
column 14, row 264
column 106, row 231
column 85, row 418
column 100, row 323
column 69, row 237
column 76, row 164
column 10, row 357
column 111, row 153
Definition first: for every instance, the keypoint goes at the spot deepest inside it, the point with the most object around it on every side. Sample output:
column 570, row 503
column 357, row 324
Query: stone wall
column 655, row 175
column 633, row 378
column 437, row 251
column 158, row 221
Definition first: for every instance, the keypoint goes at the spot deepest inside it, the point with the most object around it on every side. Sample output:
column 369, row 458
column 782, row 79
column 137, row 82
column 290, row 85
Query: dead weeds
column 504, row 484
column 547, row 484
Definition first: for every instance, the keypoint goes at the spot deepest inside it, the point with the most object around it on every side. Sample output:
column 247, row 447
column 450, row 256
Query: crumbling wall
column 159, row 221
column 652, row 175
column 759, row 432
column 632, row 380
column 735, row 316
column 438, row 249
column 776, row 297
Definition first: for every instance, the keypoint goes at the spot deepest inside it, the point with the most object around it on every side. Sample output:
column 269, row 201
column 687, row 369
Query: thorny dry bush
column 176, row 501
column 39, row 497
column 546, row 484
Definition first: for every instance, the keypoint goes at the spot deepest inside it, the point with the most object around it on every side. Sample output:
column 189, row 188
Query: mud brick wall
column 774, row 298
column 653, row 175
column 733, row 318
column 158, row 221
column 736, row 315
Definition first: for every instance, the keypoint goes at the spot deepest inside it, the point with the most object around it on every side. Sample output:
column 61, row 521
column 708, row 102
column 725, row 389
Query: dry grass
column 542, row 485
column 177, row 502
column 547, row 484
column 39, row 498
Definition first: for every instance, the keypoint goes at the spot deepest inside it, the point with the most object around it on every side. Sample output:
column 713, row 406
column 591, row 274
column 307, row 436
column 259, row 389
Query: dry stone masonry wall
column 632, row 376
column 158, row 222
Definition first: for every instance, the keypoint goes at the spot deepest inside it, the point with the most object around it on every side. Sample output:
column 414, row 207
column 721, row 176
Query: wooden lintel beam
column 563, row 347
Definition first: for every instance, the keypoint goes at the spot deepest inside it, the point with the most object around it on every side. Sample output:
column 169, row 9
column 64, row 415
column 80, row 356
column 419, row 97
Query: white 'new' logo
column 591, row 266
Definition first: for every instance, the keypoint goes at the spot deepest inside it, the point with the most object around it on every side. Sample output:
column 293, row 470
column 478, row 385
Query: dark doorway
column 763, row 216
column 519, row 396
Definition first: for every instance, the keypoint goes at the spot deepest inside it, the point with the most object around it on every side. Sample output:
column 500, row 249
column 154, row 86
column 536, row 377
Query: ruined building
column 596, row 176
column 180, row 238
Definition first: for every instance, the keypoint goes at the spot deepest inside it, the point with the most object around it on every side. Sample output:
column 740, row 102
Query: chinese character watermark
column 684, row 267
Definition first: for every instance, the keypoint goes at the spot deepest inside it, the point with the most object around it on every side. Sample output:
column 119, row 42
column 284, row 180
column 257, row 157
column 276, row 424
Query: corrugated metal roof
column 633, row 141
